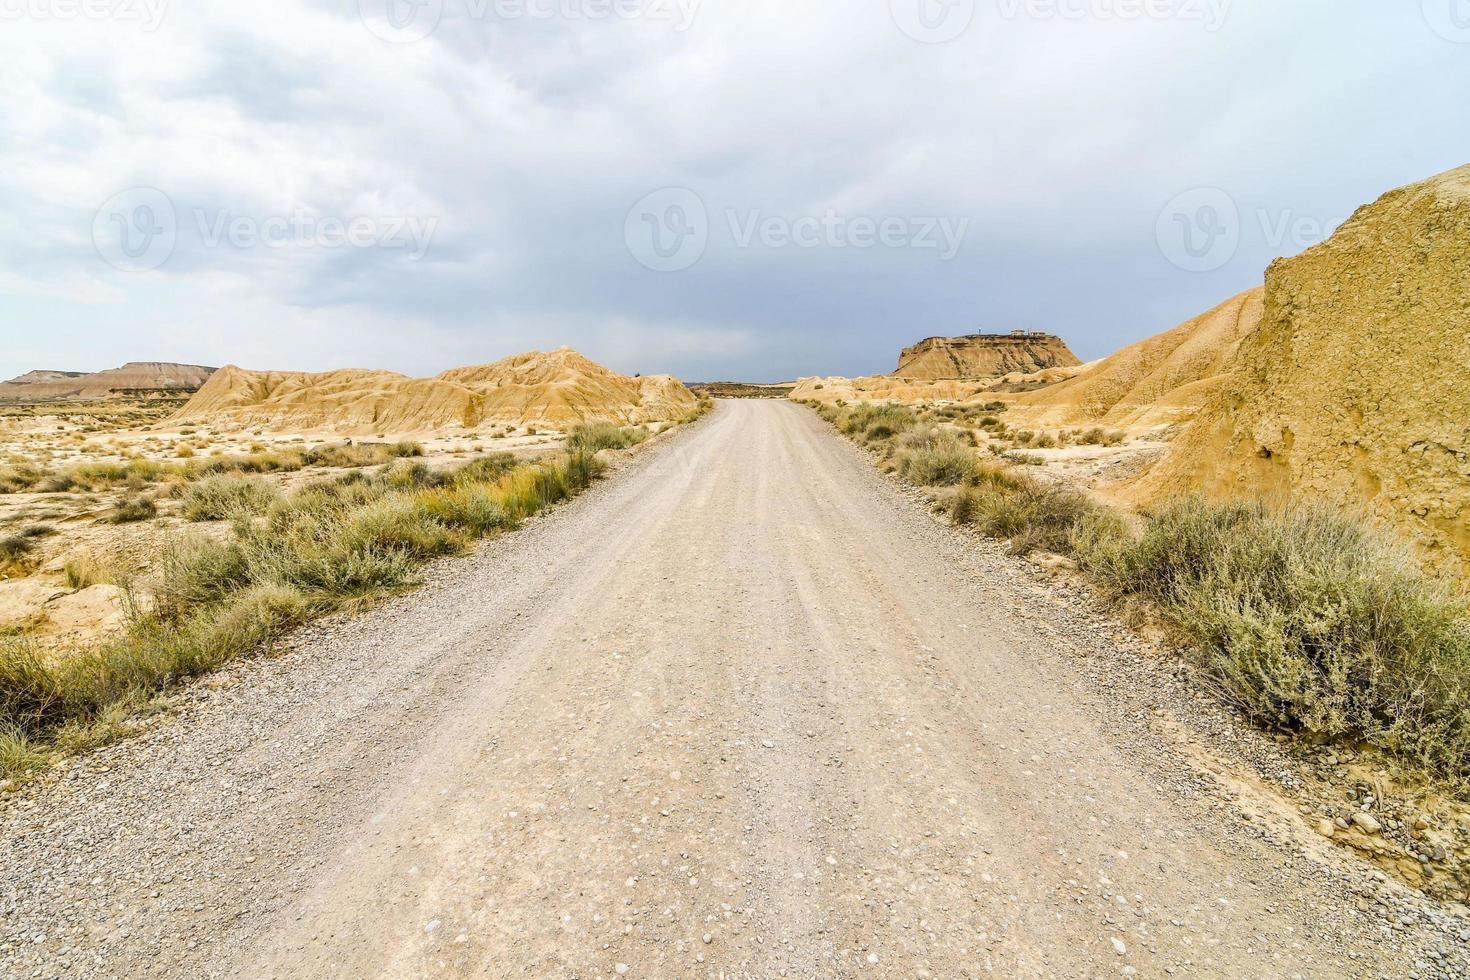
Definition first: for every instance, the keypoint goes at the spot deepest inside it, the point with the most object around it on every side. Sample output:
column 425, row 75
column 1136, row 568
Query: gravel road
column 743, row 710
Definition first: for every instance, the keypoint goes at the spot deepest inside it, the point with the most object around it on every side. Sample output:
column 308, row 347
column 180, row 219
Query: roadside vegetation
column 332, row 543
column 1313, row 622
column 261, row 562
column 138, row 473
column 597, row 436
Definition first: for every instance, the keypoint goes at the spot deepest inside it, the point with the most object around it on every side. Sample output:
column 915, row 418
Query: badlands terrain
column 1006, row 682
column 743, row 710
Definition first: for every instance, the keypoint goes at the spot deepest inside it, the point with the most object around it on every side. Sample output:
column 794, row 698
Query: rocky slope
column 1164, row 379
column 560, row 388
column 983, row 356
column 135, row 375
column 1355, row 389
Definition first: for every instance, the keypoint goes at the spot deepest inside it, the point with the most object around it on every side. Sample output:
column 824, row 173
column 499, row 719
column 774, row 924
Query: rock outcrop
column 134, row 376
column 1355, row 389
column 555, row 389
column 983, row 356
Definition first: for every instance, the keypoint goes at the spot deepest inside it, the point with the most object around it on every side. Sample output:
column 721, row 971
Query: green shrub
column 943, row 460
column 875, row 423
column 349, row 455
column 1313, row 621
column 486, row 469
column 596, row 436
column 467, row 507
column 1027, row 513
column 219, row 498
column 132, row 509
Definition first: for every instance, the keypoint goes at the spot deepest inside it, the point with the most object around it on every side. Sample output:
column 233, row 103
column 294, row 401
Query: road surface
column 744, row 710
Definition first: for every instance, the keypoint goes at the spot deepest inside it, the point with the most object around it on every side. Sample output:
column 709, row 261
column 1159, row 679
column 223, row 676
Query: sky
column 719, row 189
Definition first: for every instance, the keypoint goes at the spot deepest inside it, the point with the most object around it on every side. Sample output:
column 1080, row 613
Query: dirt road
column 744, row 710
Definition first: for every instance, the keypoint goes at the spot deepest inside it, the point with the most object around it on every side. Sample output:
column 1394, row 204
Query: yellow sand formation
column 556, row 389
column 1355, row 389
column 1164, row 379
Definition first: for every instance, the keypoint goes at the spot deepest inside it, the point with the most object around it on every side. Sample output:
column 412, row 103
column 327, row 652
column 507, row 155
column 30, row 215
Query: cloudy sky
column 754, row 189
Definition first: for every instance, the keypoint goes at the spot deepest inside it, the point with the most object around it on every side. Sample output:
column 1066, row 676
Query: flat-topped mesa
column 984, row 356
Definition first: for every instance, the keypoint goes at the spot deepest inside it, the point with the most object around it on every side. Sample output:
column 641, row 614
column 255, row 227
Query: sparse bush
column 84, row 571
column 1030, row 515
column 942, row 459
column 596, row 436
column 20, row 478
column 132, row 509
column 1313, row 621
column 1100, row 437
column 219, row 498
column 875, row 423
column 350, row 455
column 15, row 550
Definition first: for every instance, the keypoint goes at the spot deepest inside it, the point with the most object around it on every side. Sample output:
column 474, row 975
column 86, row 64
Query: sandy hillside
column 1356, row 387
column 555, row 389
column 136, row 375
column 983, row 356
column 1164, row 379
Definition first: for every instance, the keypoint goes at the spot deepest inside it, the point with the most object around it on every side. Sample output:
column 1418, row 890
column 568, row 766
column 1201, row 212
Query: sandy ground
column 744, row 710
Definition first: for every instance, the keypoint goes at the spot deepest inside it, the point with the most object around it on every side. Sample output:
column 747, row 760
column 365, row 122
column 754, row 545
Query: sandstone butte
column 556, row 389
column 134, row 376
column 1354, row 390
column 983, row 356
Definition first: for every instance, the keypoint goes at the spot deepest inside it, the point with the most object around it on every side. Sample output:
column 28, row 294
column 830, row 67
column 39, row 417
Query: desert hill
column 1355, row 389
column 983, row 356
column 555, row 389
column 1166, row 378
column 135, row 375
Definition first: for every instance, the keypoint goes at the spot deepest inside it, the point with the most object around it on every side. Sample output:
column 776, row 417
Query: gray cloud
column 525, row 141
